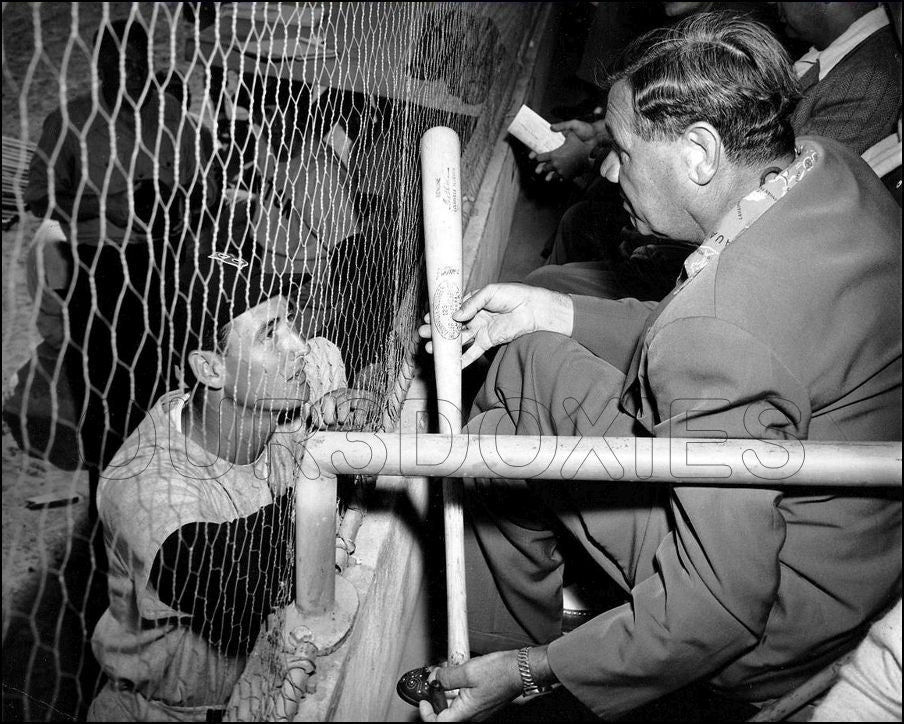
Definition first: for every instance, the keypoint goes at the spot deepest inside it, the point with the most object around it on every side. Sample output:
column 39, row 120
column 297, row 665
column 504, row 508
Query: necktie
column 811, row 77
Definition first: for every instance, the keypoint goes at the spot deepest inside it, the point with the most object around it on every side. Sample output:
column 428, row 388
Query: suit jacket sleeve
column 718, row 570
column 610, row 328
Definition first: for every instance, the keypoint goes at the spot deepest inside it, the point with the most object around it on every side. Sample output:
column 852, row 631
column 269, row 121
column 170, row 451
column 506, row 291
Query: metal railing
column 672, row 461
column 326, row 603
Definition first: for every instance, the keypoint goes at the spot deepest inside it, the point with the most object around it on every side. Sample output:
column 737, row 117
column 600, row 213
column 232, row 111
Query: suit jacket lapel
column 632, row 398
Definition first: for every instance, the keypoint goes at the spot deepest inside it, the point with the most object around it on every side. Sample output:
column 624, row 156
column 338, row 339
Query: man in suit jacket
column 851, row 76
column 781, row 328
column 851, row 80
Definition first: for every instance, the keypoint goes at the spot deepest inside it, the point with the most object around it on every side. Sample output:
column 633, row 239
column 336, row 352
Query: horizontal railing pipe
column 689, row 461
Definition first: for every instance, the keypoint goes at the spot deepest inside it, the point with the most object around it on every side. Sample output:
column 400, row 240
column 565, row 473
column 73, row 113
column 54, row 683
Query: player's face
column 265, row 358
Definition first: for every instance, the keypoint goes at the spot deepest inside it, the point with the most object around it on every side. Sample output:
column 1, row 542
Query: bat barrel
column 441, row 187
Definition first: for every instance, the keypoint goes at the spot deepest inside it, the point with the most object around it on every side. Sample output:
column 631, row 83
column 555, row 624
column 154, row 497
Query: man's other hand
column 485, row 684
column 572, row 158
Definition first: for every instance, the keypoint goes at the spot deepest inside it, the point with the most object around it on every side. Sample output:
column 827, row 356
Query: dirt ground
column 53, row 588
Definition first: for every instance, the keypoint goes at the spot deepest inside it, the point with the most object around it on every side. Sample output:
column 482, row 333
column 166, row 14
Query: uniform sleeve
column 140, row 508
column 717, row 572
column 227, row 576
column 167, row 537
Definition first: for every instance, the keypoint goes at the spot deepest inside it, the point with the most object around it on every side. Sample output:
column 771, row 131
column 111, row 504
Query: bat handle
column 456, row 591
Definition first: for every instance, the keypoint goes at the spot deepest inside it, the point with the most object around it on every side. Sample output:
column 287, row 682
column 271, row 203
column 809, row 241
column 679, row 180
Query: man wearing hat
column 196, row 521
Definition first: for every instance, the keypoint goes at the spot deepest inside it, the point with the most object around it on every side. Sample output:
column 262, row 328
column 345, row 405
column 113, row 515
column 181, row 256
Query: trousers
column 513, row 557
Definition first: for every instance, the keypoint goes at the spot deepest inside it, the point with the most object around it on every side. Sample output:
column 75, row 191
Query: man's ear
column 702, row 150
column 208, row 368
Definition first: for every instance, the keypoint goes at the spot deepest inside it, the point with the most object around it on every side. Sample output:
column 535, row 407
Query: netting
column 143, row 142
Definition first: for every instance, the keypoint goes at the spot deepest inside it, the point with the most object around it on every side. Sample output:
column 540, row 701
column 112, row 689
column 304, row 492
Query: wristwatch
column 528, row 685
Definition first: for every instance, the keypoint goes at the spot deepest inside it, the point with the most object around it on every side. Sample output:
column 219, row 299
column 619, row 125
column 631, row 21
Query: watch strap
column 528, row 685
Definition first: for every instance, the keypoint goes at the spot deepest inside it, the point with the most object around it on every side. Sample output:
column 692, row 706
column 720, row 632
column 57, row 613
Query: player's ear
column 208, row 368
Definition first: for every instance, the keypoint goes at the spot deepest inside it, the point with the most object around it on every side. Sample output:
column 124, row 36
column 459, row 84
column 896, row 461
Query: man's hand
column 485, row 684
column 500, row 313
column 572, row 158
column 345, row 408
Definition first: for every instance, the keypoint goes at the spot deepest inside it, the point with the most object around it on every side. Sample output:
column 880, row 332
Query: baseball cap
column 219, row 285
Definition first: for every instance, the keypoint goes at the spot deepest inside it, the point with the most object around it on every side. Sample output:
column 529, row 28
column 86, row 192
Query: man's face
column 678, row 10
column 265, row 357
column 645, row 171
column 135, row 81
column 801, row 20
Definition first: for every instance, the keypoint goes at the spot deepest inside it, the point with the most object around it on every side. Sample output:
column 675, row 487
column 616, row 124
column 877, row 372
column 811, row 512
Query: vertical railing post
column 315, row 543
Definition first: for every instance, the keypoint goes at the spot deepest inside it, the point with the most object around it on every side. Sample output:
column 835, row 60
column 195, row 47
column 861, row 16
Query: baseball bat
column 441, row 186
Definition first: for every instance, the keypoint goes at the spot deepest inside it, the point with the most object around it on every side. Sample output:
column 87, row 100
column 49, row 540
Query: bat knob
column 414, row 687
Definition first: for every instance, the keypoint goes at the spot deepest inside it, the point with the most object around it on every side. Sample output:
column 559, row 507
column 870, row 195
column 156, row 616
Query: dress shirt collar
column 858, row 31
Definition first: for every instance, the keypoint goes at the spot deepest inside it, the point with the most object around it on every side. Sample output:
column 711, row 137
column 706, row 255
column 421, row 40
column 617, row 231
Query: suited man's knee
column 575, row 221
column 535, row 350
column 545, row 276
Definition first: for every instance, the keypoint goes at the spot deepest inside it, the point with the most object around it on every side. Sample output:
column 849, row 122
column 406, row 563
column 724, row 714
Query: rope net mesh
column 280, row 135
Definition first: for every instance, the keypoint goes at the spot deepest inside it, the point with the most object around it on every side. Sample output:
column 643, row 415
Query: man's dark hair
column 720, row 68
column 119, row 33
